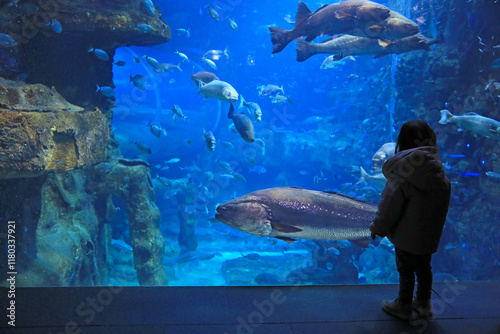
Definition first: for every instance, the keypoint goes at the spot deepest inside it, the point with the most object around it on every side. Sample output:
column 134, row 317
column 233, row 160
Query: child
column 412, row 213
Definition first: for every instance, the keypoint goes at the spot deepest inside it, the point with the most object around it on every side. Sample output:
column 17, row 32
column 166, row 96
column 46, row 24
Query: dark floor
column 473, row 308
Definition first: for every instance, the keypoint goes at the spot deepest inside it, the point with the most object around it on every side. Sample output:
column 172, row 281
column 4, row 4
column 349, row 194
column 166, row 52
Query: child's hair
column 415, row 133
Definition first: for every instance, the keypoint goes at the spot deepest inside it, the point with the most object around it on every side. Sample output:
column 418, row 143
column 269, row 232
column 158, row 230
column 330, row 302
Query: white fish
column 152, row 62
column 220, row 90
column 182, row 56
column 232, row 24
column 210, row 63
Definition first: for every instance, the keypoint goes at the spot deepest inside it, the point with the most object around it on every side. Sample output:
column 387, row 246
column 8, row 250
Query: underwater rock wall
column 41, row 132
column 49, row 145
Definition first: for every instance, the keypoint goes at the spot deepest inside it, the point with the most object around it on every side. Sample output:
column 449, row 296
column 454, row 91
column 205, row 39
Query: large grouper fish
column 290, row 212
column 330, row 20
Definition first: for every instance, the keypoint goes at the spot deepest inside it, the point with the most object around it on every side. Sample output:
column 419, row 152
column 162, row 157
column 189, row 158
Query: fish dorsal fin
column 231, row 111
column 471, row 114
column 302, row 13
column 287, row 239
column 320, row 8
column 349, row 197
column 285, row 228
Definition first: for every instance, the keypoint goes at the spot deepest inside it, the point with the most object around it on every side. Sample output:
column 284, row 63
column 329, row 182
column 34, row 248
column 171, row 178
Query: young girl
column 412, row 213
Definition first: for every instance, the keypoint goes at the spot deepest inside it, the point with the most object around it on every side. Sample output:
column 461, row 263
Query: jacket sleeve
column 390, row 208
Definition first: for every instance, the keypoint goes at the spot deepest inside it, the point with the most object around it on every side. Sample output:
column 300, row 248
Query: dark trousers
column 408, row 265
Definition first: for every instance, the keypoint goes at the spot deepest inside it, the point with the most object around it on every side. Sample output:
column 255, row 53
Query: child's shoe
column 397, row 309
column 423, row 308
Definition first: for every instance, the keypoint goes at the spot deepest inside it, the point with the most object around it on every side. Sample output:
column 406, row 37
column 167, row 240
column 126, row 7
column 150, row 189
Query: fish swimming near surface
column 243, row 124
column 220, row 90
column 478, row 124
column 347, row 45
column 209, row 140
column 289, row 212
column 330, row 20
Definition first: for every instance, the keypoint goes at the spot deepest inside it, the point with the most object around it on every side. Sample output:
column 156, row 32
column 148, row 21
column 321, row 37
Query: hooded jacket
column 415, row 201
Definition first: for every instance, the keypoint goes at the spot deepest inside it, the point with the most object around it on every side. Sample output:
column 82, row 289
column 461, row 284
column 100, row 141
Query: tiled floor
column 470, row 308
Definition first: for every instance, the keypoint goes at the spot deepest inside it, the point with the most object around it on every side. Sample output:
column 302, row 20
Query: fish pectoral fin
column 285, row 228
column 342, row 15
column 287, row 239
column 384, row 43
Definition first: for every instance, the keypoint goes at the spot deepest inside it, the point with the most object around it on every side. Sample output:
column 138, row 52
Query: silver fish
column 471, row 121
column 213, row 13
column 384, row 153
column 219, row 90
column 289, row 212
column 209, row 140
column 232, row 24
column 378, row 180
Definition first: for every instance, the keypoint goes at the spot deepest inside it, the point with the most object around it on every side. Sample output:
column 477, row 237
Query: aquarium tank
column 126, row 127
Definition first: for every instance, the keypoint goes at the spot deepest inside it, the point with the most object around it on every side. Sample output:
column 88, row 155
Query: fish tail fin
column 225, row 51
column 446, row 116
column 302, row 12
column 304, row 50
column 280, row 38
column 179, row 66
column 91, row 49
column 290, row 100
column 98, row 89
column 164, row 132
column 363, row 174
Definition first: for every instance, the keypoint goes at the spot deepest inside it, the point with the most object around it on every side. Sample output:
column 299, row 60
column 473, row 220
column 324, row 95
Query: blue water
column 356, row 108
